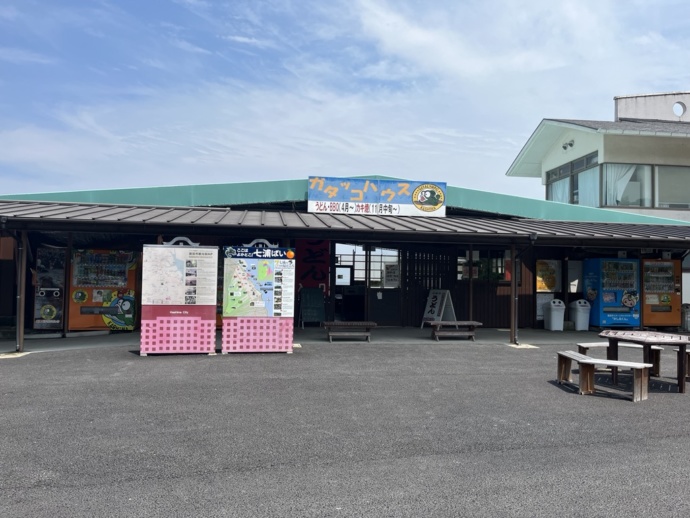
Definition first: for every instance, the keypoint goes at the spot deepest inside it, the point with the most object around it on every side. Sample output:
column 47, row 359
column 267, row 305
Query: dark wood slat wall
column 424, row 270
column 491, row 304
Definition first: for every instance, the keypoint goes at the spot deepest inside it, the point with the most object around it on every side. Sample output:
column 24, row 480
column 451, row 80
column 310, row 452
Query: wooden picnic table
column 647, row 339
column 453, row 328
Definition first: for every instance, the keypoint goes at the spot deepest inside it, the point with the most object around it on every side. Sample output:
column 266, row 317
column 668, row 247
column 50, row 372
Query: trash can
column 579, row 313
column 685, row 316
column 554, row 312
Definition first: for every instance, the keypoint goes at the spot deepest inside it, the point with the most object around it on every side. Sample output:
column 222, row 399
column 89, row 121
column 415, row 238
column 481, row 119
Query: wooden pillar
column 471, row 287
column 513, row 297
column 66, row 284
column 21, row 289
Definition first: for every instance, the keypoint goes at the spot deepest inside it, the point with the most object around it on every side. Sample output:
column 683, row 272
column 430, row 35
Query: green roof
column 281, row 191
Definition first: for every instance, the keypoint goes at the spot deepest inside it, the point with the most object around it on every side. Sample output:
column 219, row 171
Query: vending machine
column 612, row 287
column 661, row 292
column 102, row 290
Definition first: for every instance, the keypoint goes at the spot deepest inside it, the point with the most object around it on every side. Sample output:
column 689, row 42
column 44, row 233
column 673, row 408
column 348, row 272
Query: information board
column 179, row 275
column 258, row 282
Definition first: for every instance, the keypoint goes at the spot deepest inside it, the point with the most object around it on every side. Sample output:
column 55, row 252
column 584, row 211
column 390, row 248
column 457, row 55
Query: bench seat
column 453, row 328
column 586, row 368
column 348, row 330
column 583, row 348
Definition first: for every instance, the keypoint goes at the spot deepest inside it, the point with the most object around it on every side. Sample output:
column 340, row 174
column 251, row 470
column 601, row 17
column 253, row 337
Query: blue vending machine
column 612, row 287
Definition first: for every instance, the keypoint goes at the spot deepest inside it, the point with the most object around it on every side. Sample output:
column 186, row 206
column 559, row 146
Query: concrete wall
column 653, row 106
column 646, row 150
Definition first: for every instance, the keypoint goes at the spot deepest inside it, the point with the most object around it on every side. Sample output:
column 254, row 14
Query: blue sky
column 103, row 94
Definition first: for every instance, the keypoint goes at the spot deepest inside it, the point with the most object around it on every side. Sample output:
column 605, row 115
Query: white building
column 640, row 162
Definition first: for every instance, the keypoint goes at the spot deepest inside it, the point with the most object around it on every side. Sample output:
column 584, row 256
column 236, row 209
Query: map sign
column 258, row 282
column 179, row 275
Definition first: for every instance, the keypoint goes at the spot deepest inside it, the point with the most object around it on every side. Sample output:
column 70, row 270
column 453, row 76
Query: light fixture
column 568, row 144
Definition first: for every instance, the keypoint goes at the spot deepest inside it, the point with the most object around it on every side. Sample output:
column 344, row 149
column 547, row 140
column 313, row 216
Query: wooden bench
column 453, row 328
column 586, row 367
column 584, row 348
column 348, row 329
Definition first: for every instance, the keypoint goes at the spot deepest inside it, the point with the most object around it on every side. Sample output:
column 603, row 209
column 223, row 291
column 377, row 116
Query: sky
column 107, row 94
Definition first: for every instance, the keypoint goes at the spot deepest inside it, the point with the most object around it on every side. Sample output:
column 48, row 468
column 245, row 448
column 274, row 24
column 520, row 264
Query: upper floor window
column 627, row 185
column 576, row 182
column 672, row 187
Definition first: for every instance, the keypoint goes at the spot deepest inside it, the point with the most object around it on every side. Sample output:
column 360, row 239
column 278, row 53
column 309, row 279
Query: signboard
column 179, row 276
column 258, row 282
column 548, row 275
column 439, row 307
column 391, row 276
column 357, row 196
column 311, row 306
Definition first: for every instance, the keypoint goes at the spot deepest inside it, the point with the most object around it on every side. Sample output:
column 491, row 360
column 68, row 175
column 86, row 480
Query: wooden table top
column 646, row 337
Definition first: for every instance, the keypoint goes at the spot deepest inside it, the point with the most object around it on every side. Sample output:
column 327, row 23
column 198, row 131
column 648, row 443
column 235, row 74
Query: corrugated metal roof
column 130, row 219
column 293, row 193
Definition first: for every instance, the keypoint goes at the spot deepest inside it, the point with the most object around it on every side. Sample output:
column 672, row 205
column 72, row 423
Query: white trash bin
column 554, row 312
column 579, row 313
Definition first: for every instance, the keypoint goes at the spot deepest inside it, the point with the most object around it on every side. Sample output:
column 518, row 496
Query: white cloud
column 189, row 47
column 252, row 42
column 443, row 90
column 18, row 56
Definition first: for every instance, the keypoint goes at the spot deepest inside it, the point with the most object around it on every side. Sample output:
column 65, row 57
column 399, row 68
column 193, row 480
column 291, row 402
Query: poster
column 258, row 282
column 50, row 288
column 548, row 275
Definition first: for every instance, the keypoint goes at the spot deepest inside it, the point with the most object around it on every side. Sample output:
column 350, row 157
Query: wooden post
column 21, row 290
column 471, row 287
column 513, row 297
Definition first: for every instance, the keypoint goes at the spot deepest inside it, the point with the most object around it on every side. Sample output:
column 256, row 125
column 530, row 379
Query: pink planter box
column 173, row 334
column 257, row 335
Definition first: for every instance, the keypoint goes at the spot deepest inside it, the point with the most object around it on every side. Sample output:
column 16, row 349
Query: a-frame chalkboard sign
column 439, row 307
column 311, row 306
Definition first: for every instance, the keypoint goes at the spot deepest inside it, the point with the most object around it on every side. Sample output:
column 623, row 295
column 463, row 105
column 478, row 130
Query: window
column 488, row 265
column 576, row 182
column 559, row 191
column 672, row 187
column 586, row 187
column 627, row 185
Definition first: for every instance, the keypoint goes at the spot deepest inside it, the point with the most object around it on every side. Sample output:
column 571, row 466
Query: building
column 639, row 162
column 485, row 251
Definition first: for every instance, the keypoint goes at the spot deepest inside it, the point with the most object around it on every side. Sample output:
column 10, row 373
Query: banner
column 357, row 196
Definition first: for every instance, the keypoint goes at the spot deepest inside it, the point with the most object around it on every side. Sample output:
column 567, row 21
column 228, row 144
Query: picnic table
column 647, row 339
column 453, row 328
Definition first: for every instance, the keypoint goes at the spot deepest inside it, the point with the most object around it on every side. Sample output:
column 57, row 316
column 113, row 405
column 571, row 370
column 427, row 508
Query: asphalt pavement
column 403, row 426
